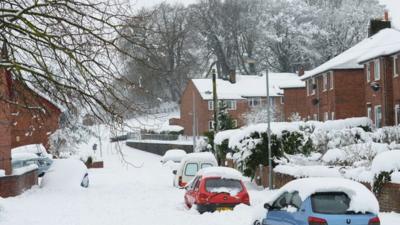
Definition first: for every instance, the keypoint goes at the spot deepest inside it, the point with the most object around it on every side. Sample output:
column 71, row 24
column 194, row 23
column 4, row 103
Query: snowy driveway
column 121, row 195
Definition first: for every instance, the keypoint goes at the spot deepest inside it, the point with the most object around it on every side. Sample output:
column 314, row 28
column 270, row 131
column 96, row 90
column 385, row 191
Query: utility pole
column 194, row 125
column 269, row 132
column 215, row 106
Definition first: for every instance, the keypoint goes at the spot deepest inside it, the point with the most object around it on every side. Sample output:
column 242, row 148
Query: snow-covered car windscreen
column 330, row 203
column 218, row 185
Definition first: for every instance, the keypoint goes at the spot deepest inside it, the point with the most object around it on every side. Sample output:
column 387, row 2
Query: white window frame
column 377, row 69
column 395, row 65
column 325, row 81
column 312, row 87
column 282, row 100
column 235, row 123
column 332, row 115
column 251, row 101
column 326, row 116
column 315, row 117
column 211, row 125
column 210, row 105
column 369, row 112
column 397, row 114
column 331, row 80
column 376, row 116
column 232, row 106
column 368, row 65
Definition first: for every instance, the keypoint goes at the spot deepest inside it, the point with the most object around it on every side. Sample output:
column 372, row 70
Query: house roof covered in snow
column 388, row 46
column 247, row 86
column 350, row 58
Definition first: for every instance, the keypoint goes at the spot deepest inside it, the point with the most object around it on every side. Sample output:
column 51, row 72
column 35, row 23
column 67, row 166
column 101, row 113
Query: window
column 205, row 165
column 210, row 105
column 282, row 201
column 369, row 112
column 231, row 104
column 331, row 80
column 191, row 169
column 282, row 100
column 315, row 116
column 330, row 203
column 368, row 68
column 397, row 114
column 326, row 116
column 325, row 81
column 395, row 66
column 332, row 115
column 377, row 70
column 211, row 125
column 378, row 116
column 253, row 102
column 311, row 86
column 235, row 123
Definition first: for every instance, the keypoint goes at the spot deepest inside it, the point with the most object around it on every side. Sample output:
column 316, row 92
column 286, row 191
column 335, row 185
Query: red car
column 216, row 189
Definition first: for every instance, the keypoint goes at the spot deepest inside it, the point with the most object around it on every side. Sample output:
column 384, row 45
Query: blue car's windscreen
column 330, row 203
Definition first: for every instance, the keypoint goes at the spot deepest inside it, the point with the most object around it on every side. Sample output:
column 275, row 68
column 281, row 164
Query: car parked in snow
column 190, row 165
column 66, row 174
column 322, row 201
column 216, row 189
column 26, row 155
column 174, row 155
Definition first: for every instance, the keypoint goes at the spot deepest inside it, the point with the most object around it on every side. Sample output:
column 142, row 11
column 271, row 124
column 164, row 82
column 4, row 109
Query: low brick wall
column 15, row 185
column 95, row 165
column 158, row 148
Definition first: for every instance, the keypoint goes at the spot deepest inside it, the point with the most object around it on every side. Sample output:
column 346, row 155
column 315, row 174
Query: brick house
column 336, row 89
column 26, row 117
column 381, row 78
column 241, row 94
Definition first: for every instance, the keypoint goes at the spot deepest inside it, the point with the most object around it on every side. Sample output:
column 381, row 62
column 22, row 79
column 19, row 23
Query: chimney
column 232, row 76
column 386, row 16
column 301, row 71
column 377, row 25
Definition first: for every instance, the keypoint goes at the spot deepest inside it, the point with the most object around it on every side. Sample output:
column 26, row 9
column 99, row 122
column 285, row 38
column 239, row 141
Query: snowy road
column 121, row 195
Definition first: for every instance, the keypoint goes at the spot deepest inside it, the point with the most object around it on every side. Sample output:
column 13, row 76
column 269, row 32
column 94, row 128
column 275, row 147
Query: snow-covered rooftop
column 247, row 86
column 383, row 41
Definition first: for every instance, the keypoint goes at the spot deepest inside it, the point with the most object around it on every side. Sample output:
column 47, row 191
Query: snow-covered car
column 26, row 155
column 322, row 201
column 174, row 155
column 190, row 165
column 66, row 174
column 216, row 189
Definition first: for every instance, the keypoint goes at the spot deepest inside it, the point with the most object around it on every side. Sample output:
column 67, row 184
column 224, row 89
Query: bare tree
column 68, row 49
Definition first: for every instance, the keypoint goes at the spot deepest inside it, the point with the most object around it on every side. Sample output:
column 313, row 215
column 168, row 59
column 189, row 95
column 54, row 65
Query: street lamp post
column 269, row 132
column 215, row 106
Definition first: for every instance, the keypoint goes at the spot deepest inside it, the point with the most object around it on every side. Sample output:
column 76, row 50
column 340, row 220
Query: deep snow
column 121, row 195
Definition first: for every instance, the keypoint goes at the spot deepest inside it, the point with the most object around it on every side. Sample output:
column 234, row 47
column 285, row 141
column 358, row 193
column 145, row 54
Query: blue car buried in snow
column 322, row 201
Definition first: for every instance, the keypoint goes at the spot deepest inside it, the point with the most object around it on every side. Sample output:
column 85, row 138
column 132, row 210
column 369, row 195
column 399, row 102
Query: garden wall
column 17, row 184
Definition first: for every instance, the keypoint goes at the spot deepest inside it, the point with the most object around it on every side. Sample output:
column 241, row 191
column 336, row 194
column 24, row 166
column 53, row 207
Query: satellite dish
column 375, row 86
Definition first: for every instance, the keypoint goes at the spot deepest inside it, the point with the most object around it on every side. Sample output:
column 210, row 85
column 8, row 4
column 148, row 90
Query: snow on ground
column 120, row 194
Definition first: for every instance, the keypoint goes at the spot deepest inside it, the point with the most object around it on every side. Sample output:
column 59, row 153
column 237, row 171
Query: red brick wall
column 295, row 102
column 32, row 126
column 349, row 93
column 5, row 130
column 15, row 185
column 346, row 99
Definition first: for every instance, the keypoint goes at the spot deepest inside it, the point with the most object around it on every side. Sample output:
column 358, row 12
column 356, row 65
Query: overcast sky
column 392, row 5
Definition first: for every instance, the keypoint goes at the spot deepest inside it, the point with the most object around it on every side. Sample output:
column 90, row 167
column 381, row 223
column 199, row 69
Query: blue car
column 328, row 207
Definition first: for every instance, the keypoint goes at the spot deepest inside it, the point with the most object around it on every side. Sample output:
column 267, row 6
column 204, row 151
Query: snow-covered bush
column 387, row 135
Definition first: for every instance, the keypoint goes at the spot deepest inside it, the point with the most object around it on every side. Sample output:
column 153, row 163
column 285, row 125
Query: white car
column 174, row 155
column 190, row 165
column 66, row 174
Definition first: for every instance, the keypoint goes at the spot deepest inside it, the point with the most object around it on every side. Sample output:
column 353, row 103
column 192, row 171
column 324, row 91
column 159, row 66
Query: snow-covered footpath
column 120, row 194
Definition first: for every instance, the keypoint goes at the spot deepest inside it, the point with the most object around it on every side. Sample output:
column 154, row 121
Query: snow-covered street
column 120, row 194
